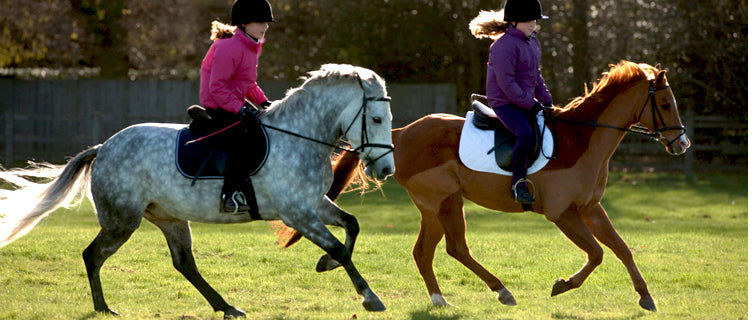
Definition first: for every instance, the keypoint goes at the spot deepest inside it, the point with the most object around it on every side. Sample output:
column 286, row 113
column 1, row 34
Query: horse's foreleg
column 314, row 230
column 334, row 216
column 572, row 225
column 178, row 235
column 599, row 223
column 424, row 250
column 452, row 218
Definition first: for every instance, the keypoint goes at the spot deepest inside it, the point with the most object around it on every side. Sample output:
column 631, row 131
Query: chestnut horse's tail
column 347, row 171
column 22, row 208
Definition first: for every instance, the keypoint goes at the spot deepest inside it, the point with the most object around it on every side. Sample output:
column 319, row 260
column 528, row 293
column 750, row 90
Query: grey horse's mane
column 330, row 74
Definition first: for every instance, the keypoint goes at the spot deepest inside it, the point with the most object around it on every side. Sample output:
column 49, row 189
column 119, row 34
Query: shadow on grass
column 426, row 314
column 91, row 315
column 566, row 316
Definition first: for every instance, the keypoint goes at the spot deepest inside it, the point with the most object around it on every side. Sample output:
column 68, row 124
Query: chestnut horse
column 568, row 189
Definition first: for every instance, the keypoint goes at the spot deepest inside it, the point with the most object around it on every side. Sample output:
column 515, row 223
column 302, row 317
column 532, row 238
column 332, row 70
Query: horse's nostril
column 386, row 171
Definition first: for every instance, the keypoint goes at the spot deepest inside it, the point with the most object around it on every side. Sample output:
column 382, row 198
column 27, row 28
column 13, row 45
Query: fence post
column 689, row 156
column 9, row 137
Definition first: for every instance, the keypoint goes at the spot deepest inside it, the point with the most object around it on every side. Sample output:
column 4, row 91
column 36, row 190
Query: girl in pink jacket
column 228, row 77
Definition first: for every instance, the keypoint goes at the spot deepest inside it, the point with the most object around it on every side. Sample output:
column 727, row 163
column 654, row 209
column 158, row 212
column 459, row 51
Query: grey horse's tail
column 39, row 190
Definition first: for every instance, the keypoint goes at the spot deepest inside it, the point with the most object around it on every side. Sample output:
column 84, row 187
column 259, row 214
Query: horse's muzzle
column 380, row 169
column 679, row 145
column 379, row 173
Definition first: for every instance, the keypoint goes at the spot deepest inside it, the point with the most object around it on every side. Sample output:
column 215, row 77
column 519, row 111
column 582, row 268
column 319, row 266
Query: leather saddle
column 485, row 119
column 198, row 156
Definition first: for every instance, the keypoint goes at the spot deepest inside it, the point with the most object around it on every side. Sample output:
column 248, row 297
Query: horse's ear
column 658, row 66
column 660, row 78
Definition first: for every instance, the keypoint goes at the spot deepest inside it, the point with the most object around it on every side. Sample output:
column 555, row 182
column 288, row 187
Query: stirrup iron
column 530, row 187
column 238, row 198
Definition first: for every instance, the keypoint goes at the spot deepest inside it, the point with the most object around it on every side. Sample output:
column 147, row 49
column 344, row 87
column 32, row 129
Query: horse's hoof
column 327, row 263
column 560, row 287
column 372, row 302
column 648, row 304
column 438, row 301
column 233, row 313
column 109, row 312
column 506, row 297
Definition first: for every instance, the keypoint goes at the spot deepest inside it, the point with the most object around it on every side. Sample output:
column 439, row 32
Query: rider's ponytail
column 221, row 30
column 489, row 24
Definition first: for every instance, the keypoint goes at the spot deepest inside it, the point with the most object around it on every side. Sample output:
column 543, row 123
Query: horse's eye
column 377, row 119
column 665, row 106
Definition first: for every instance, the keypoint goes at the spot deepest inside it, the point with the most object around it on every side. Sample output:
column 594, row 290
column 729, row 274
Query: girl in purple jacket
column 228, row 77
column 514, row 85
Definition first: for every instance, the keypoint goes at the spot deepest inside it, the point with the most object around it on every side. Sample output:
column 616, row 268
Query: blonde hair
column 220, row 30
column 489, row 24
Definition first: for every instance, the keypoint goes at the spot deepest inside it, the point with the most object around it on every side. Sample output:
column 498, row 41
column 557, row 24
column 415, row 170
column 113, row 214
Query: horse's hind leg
column 572, row 225
column 599, row 223
column 110, row 238
column 452, row 217
column 178, row 235
column 314, row 230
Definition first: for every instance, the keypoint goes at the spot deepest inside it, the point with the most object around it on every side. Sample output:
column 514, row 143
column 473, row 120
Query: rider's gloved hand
column 536, row 107
column 246, row 114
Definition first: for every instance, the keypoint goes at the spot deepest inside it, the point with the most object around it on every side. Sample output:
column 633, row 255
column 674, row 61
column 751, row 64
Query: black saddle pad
column 200, row 157
column 504, row 139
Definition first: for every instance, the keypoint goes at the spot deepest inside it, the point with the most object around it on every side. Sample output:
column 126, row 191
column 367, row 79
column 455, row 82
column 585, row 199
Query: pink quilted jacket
column 229, row 73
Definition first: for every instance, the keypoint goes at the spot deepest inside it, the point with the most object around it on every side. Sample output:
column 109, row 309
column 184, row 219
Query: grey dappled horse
column 133, row 176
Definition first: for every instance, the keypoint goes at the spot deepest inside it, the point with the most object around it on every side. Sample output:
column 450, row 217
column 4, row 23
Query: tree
column 702, row 43
column 104, row 20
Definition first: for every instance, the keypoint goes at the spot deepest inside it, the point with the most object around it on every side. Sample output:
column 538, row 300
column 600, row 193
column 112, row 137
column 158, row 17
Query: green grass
column 689, row 239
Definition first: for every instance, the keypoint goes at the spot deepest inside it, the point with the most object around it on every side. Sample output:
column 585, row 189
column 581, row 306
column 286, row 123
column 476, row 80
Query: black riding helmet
column 523, row 11
column 247, row 11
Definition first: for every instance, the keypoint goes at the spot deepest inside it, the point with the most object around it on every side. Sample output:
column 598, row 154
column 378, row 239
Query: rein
column 656, row 135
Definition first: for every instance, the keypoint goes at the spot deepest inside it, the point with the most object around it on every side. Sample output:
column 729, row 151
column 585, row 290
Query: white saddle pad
column 475, row 143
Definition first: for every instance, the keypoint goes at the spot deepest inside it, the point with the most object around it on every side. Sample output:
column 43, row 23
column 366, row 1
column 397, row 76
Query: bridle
column 656, row 135
column 363, row 132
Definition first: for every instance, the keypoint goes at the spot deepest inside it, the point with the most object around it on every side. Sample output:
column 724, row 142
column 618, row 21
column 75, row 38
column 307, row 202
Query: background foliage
column 702, row 43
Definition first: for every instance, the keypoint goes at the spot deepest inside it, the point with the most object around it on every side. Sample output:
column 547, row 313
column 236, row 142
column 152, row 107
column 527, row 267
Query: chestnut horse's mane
column 620, row 77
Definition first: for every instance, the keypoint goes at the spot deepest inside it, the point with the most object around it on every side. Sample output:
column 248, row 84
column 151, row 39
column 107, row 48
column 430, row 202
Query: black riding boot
column 233, row 200
column 233, row 140
column 520, row 192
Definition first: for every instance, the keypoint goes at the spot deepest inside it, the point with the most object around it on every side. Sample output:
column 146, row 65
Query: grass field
column 689, row 239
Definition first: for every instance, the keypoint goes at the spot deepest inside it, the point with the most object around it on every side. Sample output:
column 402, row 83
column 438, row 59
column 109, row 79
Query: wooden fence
column 718, row 144
column 50, row 120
